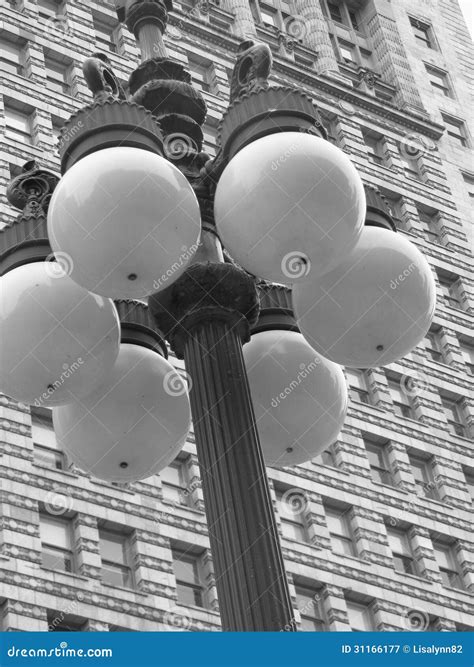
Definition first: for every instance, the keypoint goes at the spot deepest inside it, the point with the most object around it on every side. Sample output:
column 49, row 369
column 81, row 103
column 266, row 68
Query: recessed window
column 433, row 346
column 429, row 222
column 200, row 71
column 439, row 80
column 423, row 473
column 58, row 74
column 339, row 526
column 447, row 564
column 373, row 144
column 18, row 124
column 60, row 621
column 449, row 291
column 175, row 484
column 47, row 451
column 308, row 601
column 12, row 56
column 467, row 351
column 469, row 477
column 423, row 33
column 400, row 401
column 357, row 385
column 189, row 580
column 115, row 556
column 410, row 164
column 378, row 460
column 56, row 543
column 293, row 524
column 348, row 52
column 402, row 554
column 360, row 617
column 104, row 33
column 335, row 12
column 469, row 181
column 456, row 130
column 454, row 414
column 274, row 13
column 327, row 458
column 48, row 9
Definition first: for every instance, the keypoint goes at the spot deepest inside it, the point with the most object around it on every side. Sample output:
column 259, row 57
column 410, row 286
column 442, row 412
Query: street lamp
column 140, row 212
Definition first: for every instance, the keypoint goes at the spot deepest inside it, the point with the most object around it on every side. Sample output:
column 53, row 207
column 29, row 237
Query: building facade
column 377, row 532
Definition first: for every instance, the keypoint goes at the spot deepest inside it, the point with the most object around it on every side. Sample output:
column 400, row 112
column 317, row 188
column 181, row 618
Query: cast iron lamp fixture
column 140, row 211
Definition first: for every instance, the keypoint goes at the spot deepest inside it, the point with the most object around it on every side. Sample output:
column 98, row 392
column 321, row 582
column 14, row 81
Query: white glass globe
column 129, row 220
column 133, row 425
column 289, row 207
column 57, row 340
column 374, row 307
column 300, row 398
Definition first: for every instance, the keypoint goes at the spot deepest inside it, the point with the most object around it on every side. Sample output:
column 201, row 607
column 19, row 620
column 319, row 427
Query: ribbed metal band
column 378, row 210
column 138, row 326
column 276, row 309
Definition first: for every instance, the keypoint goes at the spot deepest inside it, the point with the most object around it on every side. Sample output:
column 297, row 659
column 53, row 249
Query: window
column 335, row 12
column 453, row 411
column 447, row 564
column 46, row 448
column 348, row 52
column 200, row 74
column 433, row 346
column 400, row 400
column 12, row 57
column 467, row 351
column 469, row 181
column 429, row 222
column 357, row 384
column 423, row 474
column 373, row 145
column 456, row 130
column 423, row 33
column 360, row 617
column 293, row 524
column 174, row 484
column 59, row 621
column 439, row 80
column 308, row 601
column 401, row 551
column 48, row 9
column 410, row 164
column 114, row 553
column 339, row 529
column 56, row 543
column 469, row 477
column 57, row 75
column 448, row 288
column 377, row 455
column 189, row 585
column 327, row 458
column 104, row 29
column 273, row 13
column 18, row 125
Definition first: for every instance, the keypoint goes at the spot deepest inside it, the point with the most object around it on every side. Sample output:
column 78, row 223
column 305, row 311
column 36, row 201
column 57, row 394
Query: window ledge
column 417, row 577
column 58, row 470
column 71, row 575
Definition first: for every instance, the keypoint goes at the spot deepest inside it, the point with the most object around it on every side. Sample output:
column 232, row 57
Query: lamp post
column 141, row 211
